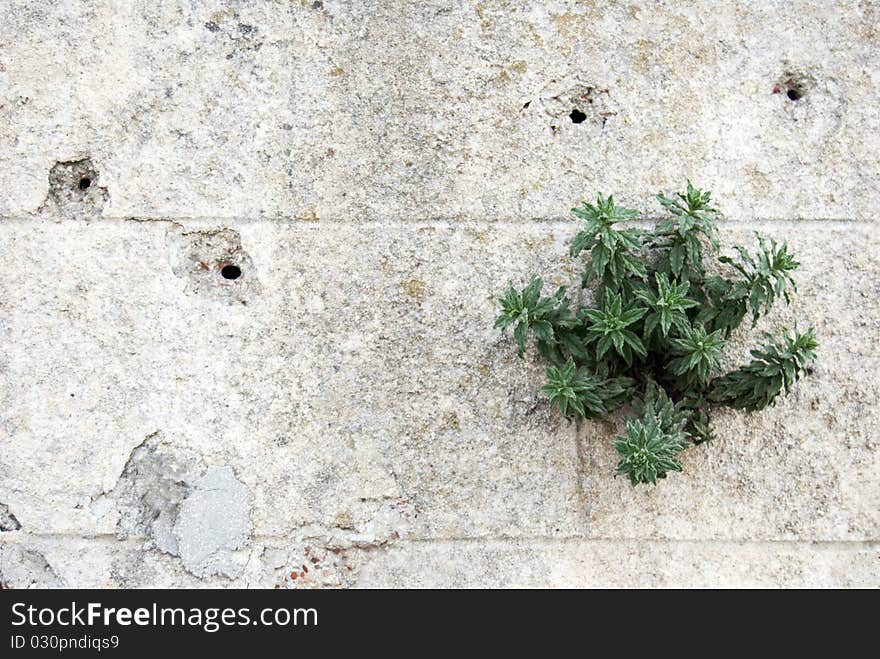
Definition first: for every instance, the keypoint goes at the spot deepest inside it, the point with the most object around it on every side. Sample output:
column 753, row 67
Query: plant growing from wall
column 653, row 338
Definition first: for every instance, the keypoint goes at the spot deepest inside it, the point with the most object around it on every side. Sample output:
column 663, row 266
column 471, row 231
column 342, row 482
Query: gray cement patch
column 213, row 522
column 183, row 508
column 154, row 482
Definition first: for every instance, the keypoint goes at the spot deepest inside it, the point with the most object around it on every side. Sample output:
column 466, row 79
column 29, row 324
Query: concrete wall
column 343, row 413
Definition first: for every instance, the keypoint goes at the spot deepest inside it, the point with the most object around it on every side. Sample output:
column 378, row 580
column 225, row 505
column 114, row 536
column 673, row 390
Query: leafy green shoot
column 615, row 254
column 576, row 394
column 776, row 366
column 656, row 329
column 608, row 327
column 698, row 354
column 668, row 305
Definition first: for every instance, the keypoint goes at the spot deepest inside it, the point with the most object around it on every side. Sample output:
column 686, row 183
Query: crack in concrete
column 136, row 541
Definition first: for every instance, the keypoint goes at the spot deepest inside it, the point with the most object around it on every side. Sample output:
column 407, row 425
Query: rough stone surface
column 383, row 110
column 22, row 567
column 337, row 410
column 148, row 494
column 623, row 564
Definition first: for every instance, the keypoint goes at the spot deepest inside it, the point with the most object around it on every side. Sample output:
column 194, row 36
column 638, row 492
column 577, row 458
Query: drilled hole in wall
column 230, row 272
column 794, row 86
column 84, row 183
column 577, row 116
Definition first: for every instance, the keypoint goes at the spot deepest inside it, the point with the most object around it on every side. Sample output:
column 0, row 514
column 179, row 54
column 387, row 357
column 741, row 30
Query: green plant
column 656, row 329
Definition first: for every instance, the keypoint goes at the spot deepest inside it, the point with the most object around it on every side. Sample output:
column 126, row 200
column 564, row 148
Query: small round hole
column 577, row 117
column 230, row 272
column 794, row 93
column 84, row 183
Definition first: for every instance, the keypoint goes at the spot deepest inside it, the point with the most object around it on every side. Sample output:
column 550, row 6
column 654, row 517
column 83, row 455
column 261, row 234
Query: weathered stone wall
column 343, row 413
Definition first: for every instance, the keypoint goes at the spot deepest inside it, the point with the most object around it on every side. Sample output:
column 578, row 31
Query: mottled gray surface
column 343, row 412
column 623, row 564
column 383, row 110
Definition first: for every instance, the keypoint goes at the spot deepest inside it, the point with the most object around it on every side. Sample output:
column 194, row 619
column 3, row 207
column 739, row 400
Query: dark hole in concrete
column 84, row 183
column 794, row 93
column 230, row 272
column 577, row 117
